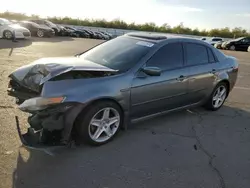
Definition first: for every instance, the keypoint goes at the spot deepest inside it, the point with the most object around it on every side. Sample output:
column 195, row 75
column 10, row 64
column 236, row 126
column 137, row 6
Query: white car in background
column 7, row 29
column 214, row 40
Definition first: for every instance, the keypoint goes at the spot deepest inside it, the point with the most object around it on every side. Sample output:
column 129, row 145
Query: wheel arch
column 227, row 84
column 104, row 99
column 6, row 30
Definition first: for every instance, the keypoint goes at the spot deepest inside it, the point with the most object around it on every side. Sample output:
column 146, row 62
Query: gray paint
column 138, row 93
column 142, row 96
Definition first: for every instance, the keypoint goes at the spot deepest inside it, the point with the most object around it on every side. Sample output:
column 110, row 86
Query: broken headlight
column 39, row 103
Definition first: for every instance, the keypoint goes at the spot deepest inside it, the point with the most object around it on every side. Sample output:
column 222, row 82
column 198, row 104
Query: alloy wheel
column 40, row 33
column 8, row 34
column 232, row 47
column 104, row 124
column 219, row 96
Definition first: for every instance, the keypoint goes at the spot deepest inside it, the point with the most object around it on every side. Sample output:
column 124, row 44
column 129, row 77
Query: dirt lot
column 188, row 149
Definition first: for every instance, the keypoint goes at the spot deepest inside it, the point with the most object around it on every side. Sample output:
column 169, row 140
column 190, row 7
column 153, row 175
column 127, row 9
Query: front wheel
column 232, row 48
column 100, row 123
column 8, row 34
column 40, row 33
column 218, row 97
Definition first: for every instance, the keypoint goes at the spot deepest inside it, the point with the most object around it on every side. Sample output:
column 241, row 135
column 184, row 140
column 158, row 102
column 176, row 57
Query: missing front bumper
column 32, row 139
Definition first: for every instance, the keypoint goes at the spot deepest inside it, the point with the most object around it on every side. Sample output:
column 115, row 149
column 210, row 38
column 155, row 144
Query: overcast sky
column 193, row 13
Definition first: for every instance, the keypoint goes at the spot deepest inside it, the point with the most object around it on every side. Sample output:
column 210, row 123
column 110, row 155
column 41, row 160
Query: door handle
column 180, row 78
column 213, row 71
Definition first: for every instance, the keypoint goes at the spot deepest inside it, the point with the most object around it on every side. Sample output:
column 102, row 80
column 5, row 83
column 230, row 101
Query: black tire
column 10, row 36
column 83, row 122
column 40, row 33
column 209, row 104
column 232, row 48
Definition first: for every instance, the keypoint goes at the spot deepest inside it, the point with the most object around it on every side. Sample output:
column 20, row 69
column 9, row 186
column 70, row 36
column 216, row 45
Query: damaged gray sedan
column 93, row 95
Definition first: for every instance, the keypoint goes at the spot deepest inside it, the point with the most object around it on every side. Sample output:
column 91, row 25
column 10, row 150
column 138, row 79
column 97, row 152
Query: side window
column 196, row 54
column 210, row 56
column 243, row 40
column 168, row 57
column 39, row 21
column 248, row 40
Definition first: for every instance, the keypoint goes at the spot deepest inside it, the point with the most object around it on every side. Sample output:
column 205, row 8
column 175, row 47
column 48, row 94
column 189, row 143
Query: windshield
column 5, row 22
column 119, row 54
column 32, row 23
column 240, row 38
column 50, row 23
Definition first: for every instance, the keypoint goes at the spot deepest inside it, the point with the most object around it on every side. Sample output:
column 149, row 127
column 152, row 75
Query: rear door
column 154, row 94
column 244, row 43
column 201, row 74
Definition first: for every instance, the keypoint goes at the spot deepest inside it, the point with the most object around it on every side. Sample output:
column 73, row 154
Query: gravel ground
column 187, row 149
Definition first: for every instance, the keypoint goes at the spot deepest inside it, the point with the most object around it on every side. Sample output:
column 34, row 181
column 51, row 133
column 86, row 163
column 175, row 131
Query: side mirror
column 152, row 71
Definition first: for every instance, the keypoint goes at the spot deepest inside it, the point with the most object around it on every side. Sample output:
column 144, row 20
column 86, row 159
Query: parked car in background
column 103, row 36
column 241, row 43
column 92, row 34
column 77, row 32
column 37, row 30
column 214, row 40
column 93, row 95
column 64, row 31
column 108, row 34
column 100, row 35
column 203, row 38
column 218, row 44
column 7, row 29
column 14, row 21
column 48, row 24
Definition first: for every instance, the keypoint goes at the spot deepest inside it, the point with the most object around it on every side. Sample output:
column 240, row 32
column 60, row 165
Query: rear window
column 120, row 54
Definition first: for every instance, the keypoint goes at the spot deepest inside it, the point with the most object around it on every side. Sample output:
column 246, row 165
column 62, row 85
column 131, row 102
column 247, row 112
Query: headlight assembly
column 39, row 103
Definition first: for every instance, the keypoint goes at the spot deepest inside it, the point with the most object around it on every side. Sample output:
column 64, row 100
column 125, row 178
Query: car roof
column 157, row 38
column 26, row 21
column 149, row 36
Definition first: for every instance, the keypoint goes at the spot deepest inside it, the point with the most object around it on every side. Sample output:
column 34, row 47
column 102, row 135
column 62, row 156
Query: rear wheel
column 8, row 34
column 100, row 123
column 218, row 97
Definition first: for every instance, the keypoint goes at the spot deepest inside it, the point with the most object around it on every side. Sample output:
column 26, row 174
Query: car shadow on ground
column 4, row 44
column 51, row 39
column 146, row 153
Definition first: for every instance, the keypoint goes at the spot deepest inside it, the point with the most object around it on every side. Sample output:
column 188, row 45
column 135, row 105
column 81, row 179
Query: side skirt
column 165, row 112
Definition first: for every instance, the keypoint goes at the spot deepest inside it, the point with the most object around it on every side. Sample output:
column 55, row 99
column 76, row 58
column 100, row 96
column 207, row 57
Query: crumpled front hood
column 35, row 74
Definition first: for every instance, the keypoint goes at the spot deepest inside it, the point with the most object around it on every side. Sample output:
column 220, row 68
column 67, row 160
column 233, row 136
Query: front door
column 155, row 94
column 244, row 43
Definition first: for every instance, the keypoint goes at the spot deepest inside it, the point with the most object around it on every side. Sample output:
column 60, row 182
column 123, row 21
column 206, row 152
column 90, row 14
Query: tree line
column 120, row 24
